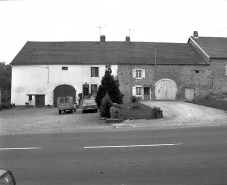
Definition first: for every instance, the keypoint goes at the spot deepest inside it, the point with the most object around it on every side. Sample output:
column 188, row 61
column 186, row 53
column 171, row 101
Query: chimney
column 102, row 39
column 195, row 34
column 127, row 39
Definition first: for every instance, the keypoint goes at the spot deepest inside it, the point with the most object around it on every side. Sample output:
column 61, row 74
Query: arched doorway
column 64, row 90
column 165, row 89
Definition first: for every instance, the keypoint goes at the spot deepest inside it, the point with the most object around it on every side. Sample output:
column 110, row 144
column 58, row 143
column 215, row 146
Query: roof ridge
column 106, row 42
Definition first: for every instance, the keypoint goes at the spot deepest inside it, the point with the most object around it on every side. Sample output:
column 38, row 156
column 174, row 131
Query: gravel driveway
column 37, row 120
column 180, row 114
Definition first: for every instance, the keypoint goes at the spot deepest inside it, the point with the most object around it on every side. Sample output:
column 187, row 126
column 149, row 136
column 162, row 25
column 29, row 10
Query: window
column 64, row 68
column 138, row 73
column 66, row 100
column 29, row 97
column 94, row 72
column 138, row 91
column 62, row 100
column 94, row 89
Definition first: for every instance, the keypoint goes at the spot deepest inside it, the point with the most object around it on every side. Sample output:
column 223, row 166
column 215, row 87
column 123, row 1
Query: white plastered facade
column 43, row 79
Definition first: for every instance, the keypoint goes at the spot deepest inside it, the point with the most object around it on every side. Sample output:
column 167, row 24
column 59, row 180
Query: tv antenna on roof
column 129, row 30
column 100, row 27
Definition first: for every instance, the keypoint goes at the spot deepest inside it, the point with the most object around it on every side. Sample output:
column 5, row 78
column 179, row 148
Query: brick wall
column 184, row 76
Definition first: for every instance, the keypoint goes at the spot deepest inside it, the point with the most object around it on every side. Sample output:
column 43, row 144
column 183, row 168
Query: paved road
column 195, row 156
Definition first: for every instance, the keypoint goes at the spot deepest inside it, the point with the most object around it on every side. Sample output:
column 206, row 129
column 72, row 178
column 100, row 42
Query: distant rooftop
column 214, row 47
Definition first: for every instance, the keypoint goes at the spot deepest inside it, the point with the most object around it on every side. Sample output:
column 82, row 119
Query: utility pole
column 155, row 56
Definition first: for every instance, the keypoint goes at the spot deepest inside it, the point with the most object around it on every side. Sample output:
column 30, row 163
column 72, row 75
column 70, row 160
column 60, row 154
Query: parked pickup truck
column 66, row 104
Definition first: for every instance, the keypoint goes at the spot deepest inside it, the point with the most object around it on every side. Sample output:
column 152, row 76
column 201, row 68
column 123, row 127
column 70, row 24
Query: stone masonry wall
column 219, row 75
column 197, row 77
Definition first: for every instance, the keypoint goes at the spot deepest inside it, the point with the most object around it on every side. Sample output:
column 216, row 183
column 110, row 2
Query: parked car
column 89, row 105
column 66, row 104
column 6, row 177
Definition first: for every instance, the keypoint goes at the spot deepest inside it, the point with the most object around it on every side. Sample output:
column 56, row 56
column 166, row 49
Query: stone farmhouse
column 214, row 51
column 43, row 71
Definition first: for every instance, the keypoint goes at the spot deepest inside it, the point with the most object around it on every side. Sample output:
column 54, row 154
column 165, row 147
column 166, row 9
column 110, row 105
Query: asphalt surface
column 118, row 156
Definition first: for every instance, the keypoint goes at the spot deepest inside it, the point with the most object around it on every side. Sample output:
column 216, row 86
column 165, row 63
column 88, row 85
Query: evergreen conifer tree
column 111, row 86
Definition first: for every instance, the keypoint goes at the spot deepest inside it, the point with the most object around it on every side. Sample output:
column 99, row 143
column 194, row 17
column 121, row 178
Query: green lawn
column 134, row 111
column 214, row 104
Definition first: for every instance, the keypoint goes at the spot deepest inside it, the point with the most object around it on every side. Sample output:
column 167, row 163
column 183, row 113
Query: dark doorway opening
column 39, row 101
column 146, row 93
column 85, row 91
column 64, row 90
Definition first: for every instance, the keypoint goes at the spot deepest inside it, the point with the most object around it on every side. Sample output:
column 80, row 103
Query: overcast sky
column 79, row 20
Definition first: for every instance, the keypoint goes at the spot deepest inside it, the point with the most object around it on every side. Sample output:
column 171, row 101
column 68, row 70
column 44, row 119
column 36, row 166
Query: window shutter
column 143, row 73
column 133, row 73
column 92, row 71
column 133, row 91
column 97, row 72
column 226, row 70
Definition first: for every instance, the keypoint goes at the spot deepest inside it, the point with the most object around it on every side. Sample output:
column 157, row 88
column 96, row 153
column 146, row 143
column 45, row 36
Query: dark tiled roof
column 34, row 53
column 215, row 47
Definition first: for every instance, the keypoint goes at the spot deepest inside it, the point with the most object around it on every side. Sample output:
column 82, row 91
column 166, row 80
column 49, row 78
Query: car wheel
column 59, row 111
column 71, row 111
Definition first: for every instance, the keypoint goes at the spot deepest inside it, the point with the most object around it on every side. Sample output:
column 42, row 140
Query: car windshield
column 89, row 101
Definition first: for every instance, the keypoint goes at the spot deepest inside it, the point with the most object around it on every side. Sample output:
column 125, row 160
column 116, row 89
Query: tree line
column 5, row 82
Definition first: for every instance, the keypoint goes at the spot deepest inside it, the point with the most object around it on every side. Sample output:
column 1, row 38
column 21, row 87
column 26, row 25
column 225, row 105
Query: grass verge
column 214, row 104
column 134, row 111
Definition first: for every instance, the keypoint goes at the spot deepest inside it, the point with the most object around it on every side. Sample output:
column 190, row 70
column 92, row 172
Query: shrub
column 6, row 96
column 207, row 97
column 134, row 99
column 105, row 106
column 156, row 112
column 136, row 107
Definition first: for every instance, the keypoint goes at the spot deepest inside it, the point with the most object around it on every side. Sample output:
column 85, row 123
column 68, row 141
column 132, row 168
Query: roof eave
column 219, row 58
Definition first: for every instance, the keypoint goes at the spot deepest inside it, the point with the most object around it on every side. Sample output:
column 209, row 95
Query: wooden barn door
column 165, row 90
column 189, row 93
